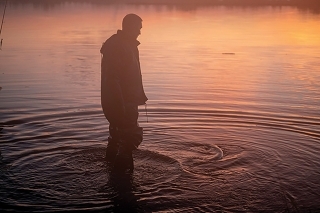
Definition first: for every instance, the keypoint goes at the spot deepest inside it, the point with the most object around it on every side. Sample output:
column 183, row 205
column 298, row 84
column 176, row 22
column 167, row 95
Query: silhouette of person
column 122, row 92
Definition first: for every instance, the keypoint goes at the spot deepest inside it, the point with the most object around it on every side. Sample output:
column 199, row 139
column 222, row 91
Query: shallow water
column 233, row 132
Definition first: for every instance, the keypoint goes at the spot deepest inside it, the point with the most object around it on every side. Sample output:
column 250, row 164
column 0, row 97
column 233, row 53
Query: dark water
column 233, row 132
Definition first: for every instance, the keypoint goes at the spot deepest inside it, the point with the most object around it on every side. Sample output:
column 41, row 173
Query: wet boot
column 124, row 160
column 112, row 149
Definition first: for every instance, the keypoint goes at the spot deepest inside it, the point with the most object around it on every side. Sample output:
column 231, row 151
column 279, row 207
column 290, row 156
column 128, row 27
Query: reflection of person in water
column 122, row 92
column 124, row 198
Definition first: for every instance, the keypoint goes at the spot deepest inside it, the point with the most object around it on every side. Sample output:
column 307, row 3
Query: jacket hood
column 116, row 38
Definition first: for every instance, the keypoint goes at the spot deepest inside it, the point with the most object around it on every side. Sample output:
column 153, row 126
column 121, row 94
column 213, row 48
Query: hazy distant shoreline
column 312, row 6
column 311, row 3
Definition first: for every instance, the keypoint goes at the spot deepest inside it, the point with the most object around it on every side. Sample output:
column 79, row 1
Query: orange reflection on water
column 180, row 46
column 218, row 27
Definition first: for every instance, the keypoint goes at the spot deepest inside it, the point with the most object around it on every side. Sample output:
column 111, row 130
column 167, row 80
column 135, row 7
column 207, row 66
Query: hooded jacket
column 121, row 79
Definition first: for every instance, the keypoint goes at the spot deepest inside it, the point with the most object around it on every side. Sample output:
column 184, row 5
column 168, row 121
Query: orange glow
column 185, row 45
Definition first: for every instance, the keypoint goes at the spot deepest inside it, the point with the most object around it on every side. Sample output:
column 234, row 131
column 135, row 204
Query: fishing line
column 4, row 13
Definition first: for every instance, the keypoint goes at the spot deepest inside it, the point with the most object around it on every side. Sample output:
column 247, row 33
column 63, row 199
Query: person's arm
column 111, row 91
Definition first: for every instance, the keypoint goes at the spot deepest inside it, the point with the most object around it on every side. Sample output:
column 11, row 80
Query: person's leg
column 130, row 138
column 113, row 144
column 113, row 139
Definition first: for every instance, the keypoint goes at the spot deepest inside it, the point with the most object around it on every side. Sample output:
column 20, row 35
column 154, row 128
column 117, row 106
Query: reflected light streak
column 185, row 45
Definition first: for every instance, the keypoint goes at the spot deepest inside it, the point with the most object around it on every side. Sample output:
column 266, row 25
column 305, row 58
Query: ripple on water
column 73, row 179
column 252, row 160
column 208, row 160
column 199, row 158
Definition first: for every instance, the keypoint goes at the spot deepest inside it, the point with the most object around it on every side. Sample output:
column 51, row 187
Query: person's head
column 131, row 25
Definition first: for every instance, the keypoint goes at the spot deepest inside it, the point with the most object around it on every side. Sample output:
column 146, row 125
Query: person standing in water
column 122, row 92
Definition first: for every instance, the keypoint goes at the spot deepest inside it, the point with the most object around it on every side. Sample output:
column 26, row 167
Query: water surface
column 233, row 111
